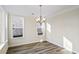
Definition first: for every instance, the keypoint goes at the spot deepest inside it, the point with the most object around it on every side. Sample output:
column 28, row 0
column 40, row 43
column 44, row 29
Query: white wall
column 0, row 23
column 3, row 31
column 30, row 35
column 55, row 30
column 65, row 30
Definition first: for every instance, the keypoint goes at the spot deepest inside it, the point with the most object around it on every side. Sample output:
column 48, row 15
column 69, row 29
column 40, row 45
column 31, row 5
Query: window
column 17, row 26
column 40, row 28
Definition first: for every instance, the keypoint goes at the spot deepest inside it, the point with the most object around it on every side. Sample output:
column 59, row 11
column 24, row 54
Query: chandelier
column 40, row 19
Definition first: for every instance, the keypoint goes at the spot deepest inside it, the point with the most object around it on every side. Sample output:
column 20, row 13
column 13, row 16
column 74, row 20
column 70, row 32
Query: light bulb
column 44, row 19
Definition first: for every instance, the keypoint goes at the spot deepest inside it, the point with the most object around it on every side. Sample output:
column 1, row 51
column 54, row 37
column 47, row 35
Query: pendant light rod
column 40, row 14
column 40, row 9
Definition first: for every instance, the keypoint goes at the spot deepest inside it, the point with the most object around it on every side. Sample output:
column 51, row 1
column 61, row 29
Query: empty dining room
column 39, row 29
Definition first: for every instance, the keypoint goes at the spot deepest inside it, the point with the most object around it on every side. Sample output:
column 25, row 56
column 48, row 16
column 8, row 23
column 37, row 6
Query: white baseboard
column 74, row 52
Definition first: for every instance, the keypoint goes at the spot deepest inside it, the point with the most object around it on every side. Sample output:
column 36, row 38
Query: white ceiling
column 27, row 10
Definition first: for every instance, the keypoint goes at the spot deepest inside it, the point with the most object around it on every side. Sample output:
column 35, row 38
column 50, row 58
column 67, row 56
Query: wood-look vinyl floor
column 37, row 48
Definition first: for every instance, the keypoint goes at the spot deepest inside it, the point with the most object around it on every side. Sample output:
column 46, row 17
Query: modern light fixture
column 40, row 19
